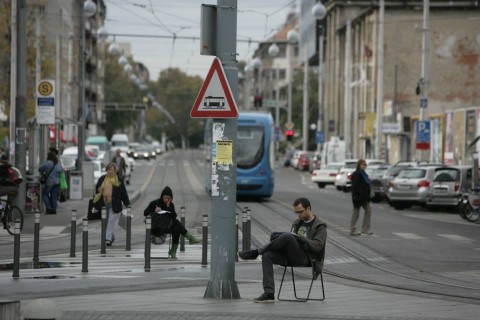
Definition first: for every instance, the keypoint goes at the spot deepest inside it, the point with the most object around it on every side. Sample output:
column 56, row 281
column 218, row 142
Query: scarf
column 365, row 177
column 115, row 183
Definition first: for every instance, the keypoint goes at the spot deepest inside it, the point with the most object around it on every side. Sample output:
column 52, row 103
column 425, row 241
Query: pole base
column 218, row 289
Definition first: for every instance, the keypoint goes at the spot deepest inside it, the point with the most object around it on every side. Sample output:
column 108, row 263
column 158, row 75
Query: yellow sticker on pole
column 224, row 152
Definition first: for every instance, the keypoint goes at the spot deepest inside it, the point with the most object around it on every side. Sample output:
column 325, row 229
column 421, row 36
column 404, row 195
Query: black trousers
column 176, row 230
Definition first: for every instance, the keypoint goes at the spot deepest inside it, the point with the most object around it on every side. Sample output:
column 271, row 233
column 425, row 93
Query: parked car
column 326, row 175
column 296, row 155
column 343, row 181
column 380, row 185
column 448, row 185
column 375, row 172
column 305, row 160
column 411, row 187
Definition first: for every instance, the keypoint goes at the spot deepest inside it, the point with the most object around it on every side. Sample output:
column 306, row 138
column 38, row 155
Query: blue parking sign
column 422, row 133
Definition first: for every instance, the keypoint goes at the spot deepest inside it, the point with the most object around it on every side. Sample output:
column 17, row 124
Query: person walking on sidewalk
column 112, row 192
column 165, row 205
column 361, row 190
column 120, row 163
column 52, row 168
column 300, row 247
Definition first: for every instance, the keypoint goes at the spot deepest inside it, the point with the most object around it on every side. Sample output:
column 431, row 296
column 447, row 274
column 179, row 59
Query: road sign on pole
column 422, row 133
column 215, row 99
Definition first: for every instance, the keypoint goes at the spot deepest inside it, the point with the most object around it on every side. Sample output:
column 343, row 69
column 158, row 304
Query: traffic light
column 257, row 101
column 289, row 134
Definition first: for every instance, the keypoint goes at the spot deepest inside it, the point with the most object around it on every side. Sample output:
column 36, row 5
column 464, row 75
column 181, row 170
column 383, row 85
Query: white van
column 119, row 141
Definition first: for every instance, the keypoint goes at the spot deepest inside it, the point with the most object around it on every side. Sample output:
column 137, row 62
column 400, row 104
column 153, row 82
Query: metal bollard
column 236, row 236
column 205, row 241
column 36, row 238
column 244, row 230
column 128, row 242
column 249, row 228
column 148, row 230
column 182, row 221
column 104, row 231
column 73, row 232
column 85, row 245
column 16, row 249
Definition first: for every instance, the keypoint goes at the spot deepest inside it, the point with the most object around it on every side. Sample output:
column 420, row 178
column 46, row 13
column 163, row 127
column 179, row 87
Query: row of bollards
column 104, row 220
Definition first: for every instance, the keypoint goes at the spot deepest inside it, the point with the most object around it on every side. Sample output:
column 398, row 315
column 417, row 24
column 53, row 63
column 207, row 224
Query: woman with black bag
column 52, row 169
column 112, row 191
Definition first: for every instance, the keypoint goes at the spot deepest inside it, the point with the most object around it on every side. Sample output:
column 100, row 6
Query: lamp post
column 292, row 37
column 319, row 12
column 85, row 9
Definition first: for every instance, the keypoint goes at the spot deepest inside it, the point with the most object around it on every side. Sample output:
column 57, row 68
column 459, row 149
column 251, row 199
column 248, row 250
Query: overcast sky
column 256, row 20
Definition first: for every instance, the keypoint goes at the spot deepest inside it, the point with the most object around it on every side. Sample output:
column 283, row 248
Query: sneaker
column 265, row 297
column 355, row 234
column 248, row 255
column 368, row 233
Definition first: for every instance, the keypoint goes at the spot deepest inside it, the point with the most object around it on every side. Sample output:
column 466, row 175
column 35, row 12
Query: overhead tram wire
column 175, row 37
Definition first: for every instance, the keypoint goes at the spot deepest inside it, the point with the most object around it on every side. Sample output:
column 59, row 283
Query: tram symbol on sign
column 214, row 102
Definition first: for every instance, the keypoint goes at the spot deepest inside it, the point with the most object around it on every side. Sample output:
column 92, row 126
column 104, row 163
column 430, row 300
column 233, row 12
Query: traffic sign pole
column 222, row 284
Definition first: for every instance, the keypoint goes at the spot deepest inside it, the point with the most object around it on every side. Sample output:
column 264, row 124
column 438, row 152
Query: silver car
column 411, row 186
column 448, row 185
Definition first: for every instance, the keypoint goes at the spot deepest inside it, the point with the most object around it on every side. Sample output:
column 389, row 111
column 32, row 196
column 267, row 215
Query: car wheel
column 321, row 185
column 339, row 188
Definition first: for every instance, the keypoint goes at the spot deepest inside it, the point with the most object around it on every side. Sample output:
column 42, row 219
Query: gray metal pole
column 305, row 126
column 182, row 221
column 103, row 243
column 148, row 230
column 21, row 100
column 222, row 284
column 16, row 249
column 85, row 245
column 378, row 136
column 348, row 91
column 425, row 60
column 36, row 238
column 320, row 89
column 73, row 232
column 128, row 241
column 81, row 86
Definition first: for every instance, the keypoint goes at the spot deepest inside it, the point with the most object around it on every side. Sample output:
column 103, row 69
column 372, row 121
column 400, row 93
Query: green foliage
column 176, row 92
column 119, row 89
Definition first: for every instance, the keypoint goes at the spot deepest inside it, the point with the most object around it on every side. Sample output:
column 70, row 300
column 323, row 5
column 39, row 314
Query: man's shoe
column 266, row 297
column 248, row 255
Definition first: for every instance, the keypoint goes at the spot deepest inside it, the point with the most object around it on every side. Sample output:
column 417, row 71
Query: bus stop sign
column 215, row 99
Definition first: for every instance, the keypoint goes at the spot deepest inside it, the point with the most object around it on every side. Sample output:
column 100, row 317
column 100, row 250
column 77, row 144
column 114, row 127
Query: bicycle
column 10, row 213
column 469, row 205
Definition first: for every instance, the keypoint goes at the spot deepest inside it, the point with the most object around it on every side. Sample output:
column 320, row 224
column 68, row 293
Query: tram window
column 250, row 146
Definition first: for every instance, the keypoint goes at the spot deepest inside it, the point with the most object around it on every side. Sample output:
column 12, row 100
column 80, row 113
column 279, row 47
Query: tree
column 176, row 92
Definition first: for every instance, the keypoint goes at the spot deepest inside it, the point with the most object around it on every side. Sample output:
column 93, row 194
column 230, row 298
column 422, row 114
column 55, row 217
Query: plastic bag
column 63, row 182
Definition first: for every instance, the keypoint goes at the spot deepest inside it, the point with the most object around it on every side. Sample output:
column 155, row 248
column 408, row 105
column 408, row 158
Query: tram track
column 355, row 262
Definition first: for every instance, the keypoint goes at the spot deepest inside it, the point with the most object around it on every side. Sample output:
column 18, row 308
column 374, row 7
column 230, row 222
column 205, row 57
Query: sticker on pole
column 215, row 99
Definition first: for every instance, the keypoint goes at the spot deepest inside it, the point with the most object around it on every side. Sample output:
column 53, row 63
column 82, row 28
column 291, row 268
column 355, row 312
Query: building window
column 282, row 74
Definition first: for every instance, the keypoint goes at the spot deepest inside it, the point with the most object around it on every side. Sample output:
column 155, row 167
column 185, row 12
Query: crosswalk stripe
column 455, row 237
column 411, row 236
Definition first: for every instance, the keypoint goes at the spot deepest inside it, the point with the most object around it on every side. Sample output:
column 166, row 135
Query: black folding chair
column 163, row 223
column 315, row 275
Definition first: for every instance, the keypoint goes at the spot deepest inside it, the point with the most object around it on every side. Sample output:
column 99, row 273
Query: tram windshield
column 250, row 141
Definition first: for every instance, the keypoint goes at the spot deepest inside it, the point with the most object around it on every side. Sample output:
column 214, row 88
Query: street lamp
column 86, row 9
column 320, row 12
column 292, row 37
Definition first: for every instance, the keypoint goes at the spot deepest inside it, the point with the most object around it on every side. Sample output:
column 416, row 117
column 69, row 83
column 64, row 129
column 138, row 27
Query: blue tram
column 255, row 154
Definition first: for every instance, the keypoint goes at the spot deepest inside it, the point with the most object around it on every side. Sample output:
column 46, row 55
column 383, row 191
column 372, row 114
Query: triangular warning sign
column 215, row 99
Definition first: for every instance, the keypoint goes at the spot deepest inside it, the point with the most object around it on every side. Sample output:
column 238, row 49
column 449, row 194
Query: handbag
column 63, row 181
column 44, row 177
column 94, row 210
column 122, row 221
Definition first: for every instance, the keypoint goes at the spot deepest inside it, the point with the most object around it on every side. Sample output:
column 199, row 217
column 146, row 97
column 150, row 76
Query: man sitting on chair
column 304, row 244
column 164, row 207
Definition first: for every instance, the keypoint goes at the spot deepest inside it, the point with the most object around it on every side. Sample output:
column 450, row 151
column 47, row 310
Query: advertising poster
column 470, row 133
column 449, row 139
column 32, row 198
